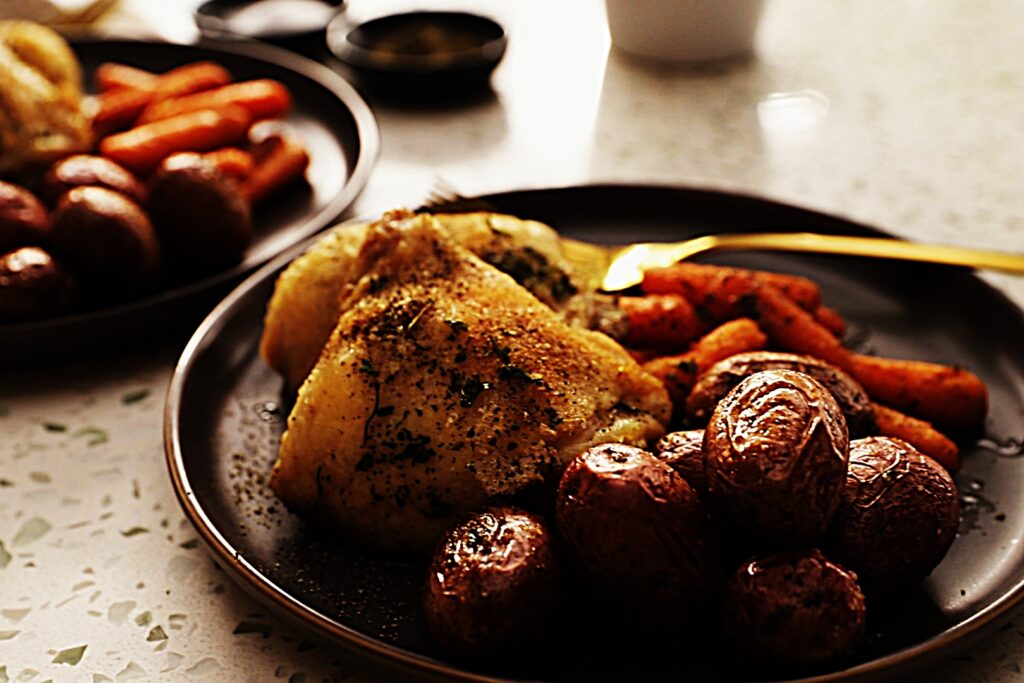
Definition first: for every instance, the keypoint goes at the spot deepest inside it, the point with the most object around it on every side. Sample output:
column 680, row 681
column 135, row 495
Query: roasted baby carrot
column 231, row 161
column 120, row 108
column 700, row 284
column 190, row 78
column 663, row 321
column 724, row 293
column 717, row 293
column 679, row 372
column 283, row 164
column 919, row 434
column 831, row 320
column 114, row 75
column 802, row 291
column 143, row 147
column 793, row 329
column 947, row 396
column 263, row 99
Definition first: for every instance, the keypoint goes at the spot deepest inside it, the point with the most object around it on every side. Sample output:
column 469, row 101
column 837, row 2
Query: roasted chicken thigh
column 444, row 386
column 305, row 306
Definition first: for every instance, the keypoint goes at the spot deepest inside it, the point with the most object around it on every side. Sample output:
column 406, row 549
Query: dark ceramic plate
column 340, row 133
column 225, row 414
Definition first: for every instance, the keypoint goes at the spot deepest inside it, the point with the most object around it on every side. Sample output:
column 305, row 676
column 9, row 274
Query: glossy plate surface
column 340, row 134
column 225, row 413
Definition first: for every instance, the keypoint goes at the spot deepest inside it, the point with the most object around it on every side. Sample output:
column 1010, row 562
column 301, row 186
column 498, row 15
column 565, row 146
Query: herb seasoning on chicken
column 444, row 385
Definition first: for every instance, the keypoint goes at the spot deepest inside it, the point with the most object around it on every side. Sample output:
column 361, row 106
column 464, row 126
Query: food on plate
column 720, row 378
column 305, row 305
column 279, row 161
column 776, row 451
column 660, row 320
column 203, row 220
column 32, row 284
column 41, row 115
column 113, row 76
column 233, row 162
column 92, row 170
column 23, row 218
column 143, row 147
column 796, row 607
column 680, row 372
column 493, row 585
column 683, row 451
column 640, row 534
column 920, row 434
column 899, row 514
column 120, row 106
column 263, row 98
column 942, row 394
column 444, row 385
column 179, row 146
column 105, row 240
column 457, row 380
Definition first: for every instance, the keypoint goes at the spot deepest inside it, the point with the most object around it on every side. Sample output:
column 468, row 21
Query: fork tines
column 443, row 198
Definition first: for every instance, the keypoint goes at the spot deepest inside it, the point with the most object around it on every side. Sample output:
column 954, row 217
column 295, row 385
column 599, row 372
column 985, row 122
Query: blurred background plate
column 328, row 115
column 225, row 413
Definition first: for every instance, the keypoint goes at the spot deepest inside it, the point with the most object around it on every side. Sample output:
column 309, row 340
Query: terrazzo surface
column 906, row 115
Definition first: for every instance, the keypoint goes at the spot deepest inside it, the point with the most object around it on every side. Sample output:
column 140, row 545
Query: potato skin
column 899, row 514
column 714, row 384
column 32, row 285
column 23, row 219
column 776, row 450
column 640, row 533
column 106, row 240
column 493, row 584
column 794, row 608
column 683, row 451
column 200, row 213
column 89, row 170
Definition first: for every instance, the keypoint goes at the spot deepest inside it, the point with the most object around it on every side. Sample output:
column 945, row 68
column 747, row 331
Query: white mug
column 684, row 30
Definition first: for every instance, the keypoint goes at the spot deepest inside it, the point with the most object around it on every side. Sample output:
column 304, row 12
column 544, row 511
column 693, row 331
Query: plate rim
column 935, row 649
column 367, row 135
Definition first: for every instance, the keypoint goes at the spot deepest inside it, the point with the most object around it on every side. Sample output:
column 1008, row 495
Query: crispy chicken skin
column 305, row 304
column 444, row 385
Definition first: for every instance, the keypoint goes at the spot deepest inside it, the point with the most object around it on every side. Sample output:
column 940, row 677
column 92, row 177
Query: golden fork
column 618, row 267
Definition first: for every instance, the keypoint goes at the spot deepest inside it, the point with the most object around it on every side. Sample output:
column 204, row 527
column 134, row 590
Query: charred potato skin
column 32, row 285
column 81, row 170
column 721, row 378
column 106, row 240
column 493, row 584
column 640, row 535
column 795, row 608
column 899, row 514
column 776, row 451
column 23, row 219
column 200, row 213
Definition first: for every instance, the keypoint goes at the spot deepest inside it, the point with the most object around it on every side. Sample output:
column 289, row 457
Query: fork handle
column 880, row 247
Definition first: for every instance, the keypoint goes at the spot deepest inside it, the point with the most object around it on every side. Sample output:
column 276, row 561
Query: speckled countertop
column 904, row 114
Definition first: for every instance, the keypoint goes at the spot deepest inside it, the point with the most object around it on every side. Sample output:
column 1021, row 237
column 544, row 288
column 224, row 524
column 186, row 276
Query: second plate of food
column 226, row 412
column 327, row 117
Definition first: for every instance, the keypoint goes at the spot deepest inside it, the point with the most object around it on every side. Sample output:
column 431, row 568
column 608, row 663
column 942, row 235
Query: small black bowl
column 298, row 25
column 420, row 50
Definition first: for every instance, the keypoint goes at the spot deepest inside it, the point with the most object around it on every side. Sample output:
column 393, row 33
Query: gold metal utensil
column 617, row 267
